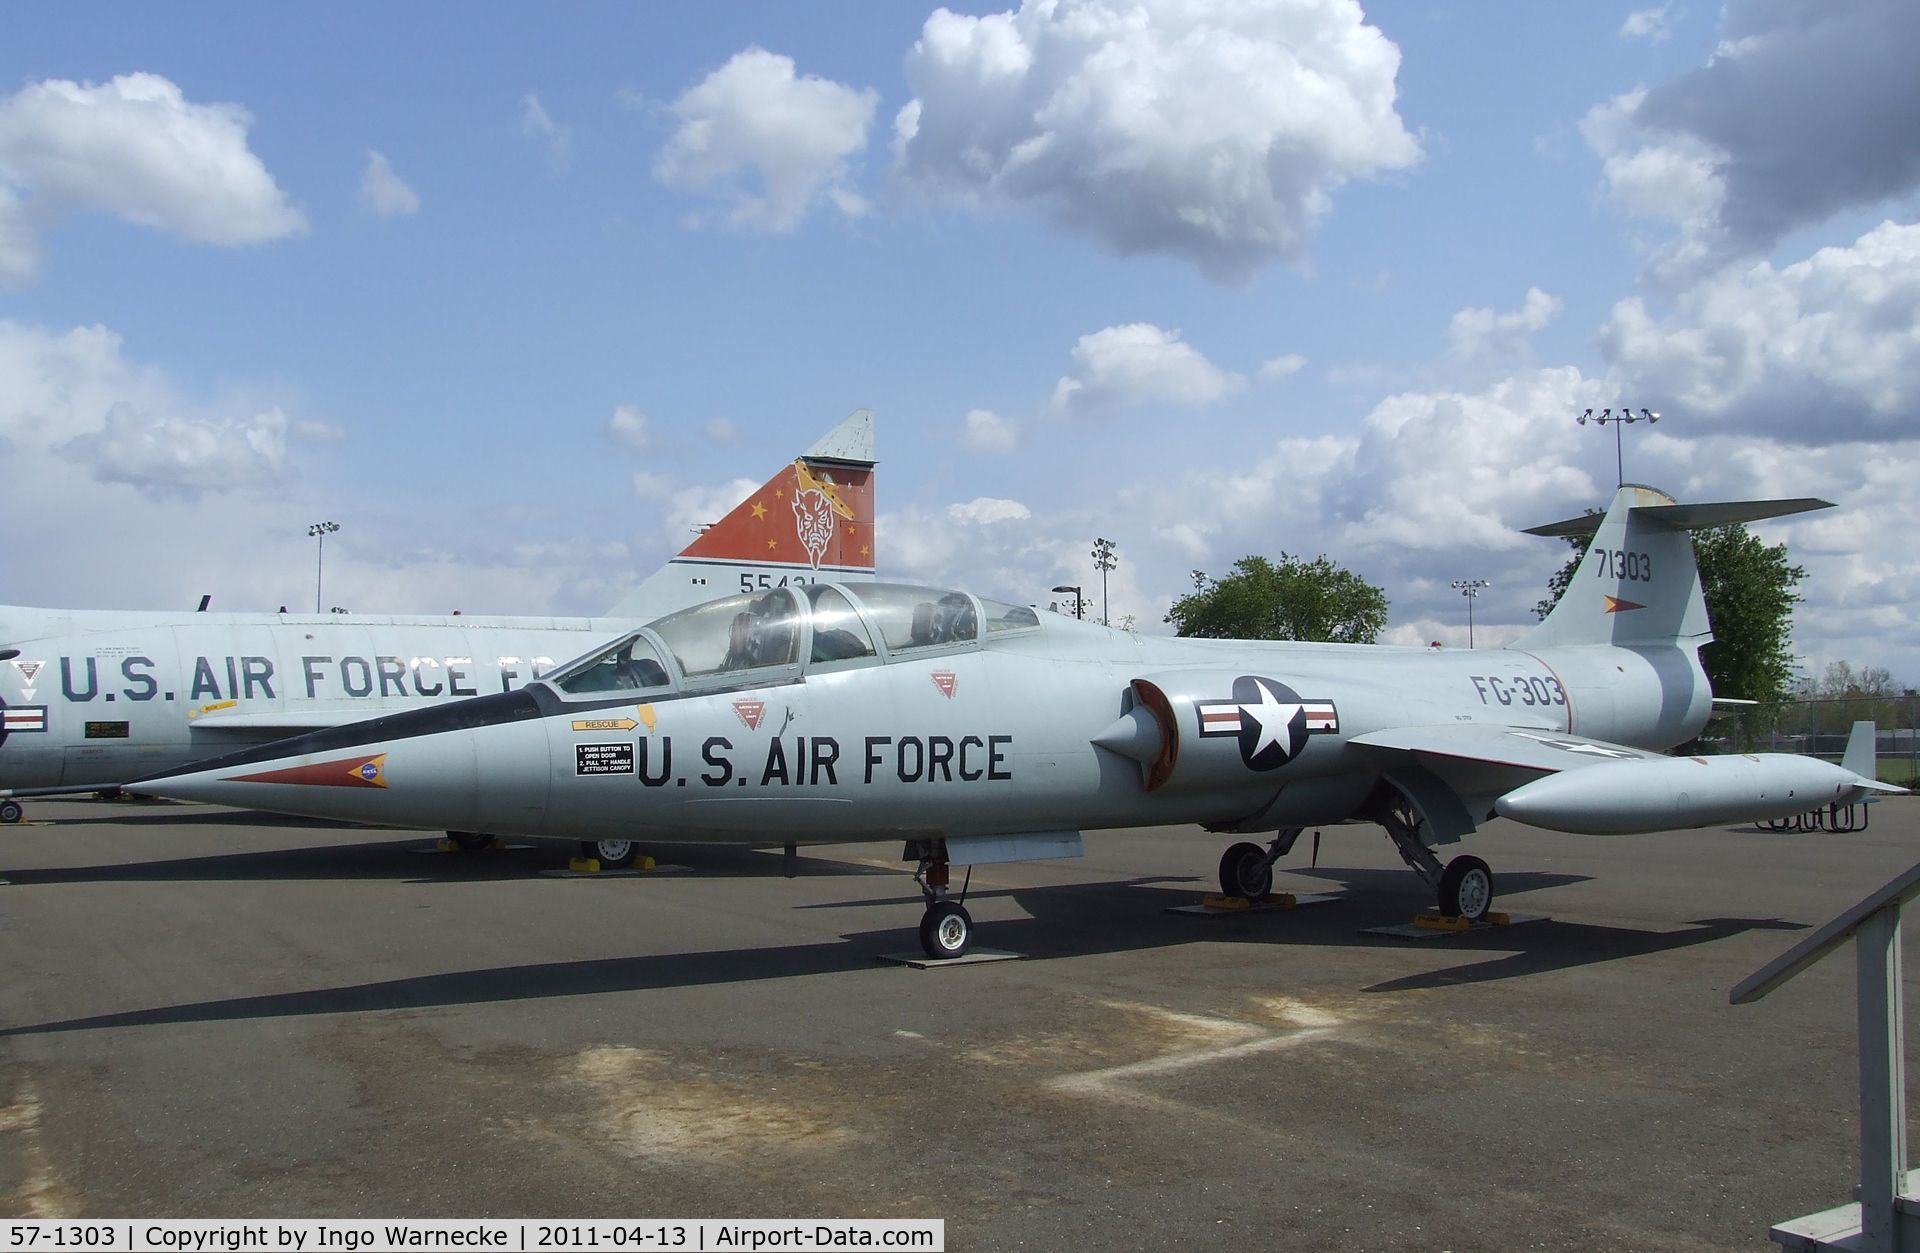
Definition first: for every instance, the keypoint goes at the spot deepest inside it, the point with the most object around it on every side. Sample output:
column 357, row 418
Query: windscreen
column 746, row 632
column 628, row 663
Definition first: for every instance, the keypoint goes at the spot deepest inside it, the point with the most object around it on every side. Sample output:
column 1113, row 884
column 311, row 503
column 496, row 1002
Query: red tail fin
column 812, row 520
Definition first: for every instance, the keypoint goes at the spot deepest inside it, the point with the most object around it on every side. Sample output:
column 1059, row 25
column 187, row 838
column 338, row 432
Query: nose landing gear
column 946, row 929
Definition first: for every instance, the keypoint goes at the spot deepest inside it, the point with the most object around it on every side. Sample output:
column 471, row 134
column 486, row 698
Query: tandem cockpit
column 778, row 635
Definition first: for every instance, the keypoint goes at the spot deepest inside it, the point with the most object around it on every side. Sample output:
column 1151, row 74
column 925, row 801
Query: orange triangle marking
column 1616, row 605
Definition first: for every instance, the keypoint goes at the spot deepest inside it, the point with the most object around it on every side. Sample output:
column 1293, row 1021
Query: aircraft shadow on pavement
column 411, row 858
column 136, row 814
column 1072, row 920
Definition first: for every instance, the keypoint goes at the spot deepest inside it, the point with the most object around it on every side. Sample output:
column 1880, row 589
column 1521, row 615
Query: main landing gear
column 946, row 929
column 1464, row 885
column 1246, row 869
column 612, row 854
column 11, row 812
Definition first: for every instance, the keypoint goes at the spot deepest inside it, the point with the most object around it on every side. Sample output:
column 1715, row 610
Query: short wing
column 1454, row 772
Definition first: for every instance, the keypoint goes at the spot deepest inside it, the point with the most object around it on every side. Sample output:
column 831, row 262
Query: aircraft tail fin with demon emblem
column 812, row 521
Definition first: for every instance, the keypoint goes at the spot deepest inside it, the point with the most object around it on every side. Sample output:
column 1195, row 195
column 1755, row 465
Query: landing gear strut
column 946, row 929
column 1464, row 885
column 1246, row 869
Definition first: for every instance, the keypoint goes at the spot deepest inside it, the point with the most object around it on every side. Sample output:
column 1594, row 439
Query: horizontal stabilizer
column 1688, row 517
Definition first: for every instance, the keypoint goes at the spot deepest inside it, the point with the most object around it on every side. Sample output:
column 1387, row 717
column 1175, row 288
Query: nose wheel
column 11, row 812
column 946, row 929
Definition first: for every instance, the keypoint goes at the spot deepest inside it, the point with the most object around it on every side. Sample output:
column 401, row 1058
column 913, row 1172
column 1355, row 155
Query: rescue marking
column 946, row 681
column 751, row 711
column 28, row 669
column 604, row 724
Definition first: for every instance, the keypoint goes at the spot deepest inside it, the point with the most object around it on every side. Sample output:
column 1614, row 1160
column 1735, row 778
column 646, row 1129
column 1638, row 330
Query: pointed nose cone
column 434, row 777
column 419, row 768
column 296, row 776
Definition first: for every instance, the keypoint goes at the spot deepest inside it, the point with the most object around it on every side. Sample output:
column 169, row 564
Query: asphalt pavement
column 221, row 1014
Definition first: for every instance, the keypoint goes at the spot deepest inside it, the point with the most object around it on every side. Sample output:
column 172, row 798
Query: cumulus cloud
column 1140, row 363
column 686, row 508
column 176, row 456
column 988, row 510
column 553, row 138
column 1216, row 133
column 1806, row 108
column 19, row 249
column 1283, row 366
column 1823, row 349
column 1482, row 332
column 73, row 400
column 384, row 193
column 136, row 148
column 630, row 428
column 773, row 143
column 1652, row 25
column 985, row 431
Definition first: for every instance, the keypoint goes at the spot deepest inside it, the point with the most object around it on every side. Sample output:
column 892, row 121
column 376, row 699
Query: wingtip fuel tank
column 1633, row 797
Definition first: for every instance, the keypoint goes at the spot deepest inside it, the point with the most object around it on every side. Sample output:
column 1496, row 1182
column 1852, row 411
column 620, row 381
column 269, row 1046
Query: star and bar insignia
column 1269, row 719
column 17, row 718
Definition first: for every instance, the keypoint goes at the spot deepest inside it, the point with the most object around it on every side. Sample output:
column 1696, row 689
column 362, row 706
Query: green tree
column 1750, row 593
column 1291, row 600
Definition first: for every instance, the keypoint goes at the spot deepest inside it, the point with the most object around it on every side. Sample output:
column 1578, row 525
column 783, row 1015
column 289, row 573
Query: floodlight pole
column 1470, row 588
column 1079, row 602
column 1624, row 417
column 320, row 531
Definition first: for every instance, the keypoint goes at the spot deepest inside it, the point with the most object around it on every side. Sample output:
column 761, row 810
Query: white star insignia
column 1274, row 719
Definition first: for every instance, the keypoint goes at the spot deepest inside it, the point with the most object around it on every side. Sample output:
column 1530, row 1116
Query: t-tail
column 1638, row 584
column 812, row 520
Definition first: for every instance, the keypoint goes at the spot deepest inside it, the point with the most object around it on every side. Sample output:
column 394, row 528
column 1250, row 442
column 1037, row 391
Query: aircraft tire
column 470, row 841
column 11, row 812
column 1246, row 872
column 946, row 930
column 1466, row 889
column 612, row 854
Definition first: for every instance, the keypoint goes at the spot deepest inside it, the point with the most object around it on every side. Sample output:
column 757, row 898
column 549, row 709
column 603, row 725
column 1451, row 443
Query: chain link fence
column 1819, row 728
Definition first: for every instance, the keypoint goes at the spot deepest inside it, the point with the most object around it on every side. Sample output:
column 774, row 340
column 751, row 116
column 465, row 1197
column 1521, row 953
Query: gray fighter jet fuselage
column 975, row 731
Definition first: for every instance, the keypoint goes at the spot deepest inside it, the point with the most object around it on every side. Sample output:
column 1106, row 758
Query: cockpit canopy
column 767, row 636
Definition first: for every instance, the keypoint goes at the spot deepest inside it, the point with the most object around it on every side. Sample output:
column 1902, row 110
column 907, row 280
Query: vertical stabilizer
column 812, row 521
column 1637, row 584
column 1863, row 751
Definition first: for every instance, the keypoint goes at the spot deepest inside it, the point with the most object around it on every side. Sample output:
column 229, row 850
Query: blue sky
column 517, row 295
